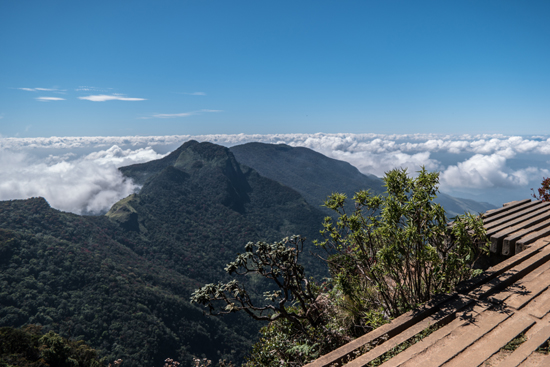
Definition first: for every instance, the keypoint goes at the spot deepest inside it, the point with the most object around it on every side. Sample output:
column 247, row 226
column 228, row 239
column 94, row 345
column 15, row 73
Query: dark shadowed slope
column 316, row 176
column 312, row 174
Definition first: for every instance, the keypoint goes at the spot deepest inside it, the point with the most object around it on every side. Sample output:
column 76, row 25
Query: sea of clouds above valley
column 80, row 174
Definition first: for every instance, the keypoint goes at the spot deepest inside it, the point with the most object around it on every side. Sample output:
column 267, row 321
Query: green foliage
column 281, row 345
column 515, row 343
column 301, row 323
column 277, row 262
column 395, row 251
column 391, row 253
column 284, row 345
column 543, row 190
column 73, row 278
column 28, row 347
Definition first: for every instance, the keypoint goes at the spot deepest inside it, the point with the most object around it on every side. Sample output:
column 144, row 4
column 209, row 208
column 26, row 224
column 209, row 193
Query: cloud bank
column 493, row 168
column 88, row 184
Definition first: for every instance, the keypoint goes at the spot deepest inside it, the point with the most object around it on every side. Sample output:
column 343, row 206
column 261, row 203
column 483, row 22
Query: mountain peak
column 189, row 157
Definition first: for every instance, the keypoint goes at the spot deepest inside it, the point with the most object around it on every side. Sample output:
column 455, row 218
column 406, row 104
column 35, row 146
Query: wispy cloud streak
column 85, row 88
column 105, row 97
column 49, row 99
column 175, row 115
column 41, row 89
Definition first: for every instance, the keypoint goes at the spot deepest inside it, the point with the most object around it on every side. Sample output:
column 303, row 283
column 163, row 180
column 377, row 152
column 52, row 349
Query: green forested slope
column 205, row 207
column 71, row 276
column 29, row 347
column 122, row 282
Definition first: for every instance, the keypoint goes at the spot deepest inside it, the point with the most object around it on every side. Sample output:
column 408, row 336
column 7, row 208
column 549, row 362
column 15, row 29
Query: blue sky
column 461, row 87
column 119, row 68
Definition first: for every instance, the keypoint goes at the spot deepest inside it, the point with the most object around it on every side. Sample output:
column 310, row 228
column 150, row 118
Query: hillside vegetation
column 71, row 275
column 122, row 282
column 28, row 347
column 392, row 253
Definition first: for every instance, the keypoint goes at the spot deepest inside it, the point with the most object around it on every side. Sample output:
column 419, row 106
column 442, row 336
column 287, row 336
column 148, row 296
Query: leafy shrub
column 396, row 251
column 543, row 191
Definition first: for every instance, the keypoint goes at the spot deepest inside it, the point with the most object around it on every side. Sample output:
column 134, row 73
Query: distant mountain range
column 122, row 281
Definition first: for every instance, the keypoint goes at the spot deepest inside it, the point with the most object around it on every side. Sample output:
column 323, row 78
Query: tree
column 293, row 297
column 300, row 316
column 395, row 251
column 544, row 190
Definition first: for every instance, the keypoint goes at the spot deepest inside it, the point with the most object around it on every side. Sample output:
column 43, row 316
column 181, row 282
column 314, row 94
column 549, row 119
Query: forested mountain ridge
column 205, row 204
column 122, row 282
column 316, row 176
column 75, row 275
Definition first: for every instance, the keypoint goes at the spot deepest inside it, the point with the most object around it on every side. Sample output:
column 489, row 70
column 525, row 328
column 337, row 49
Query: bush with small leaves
column 396, row 251
column 279, row 264
column 543, row 190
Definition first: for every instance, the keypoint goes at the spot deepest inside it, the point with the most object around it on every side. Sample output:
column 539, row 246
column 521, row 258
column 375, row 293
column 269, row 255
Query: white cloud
column 86, row 88
column 42, row 89
column 89, row 184
column 488, row 171
column 351, row 143
column 172, row 115
column 104, row 97
column 123, row 157
column 182, row 114
column 379, row 164
column 48, row 99
column 492, row 166
column 197, row 94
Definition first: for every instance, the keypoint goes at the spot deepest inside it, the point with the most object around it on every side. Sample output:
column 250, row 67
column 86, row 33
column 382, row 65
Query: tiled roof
column 510, row 301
